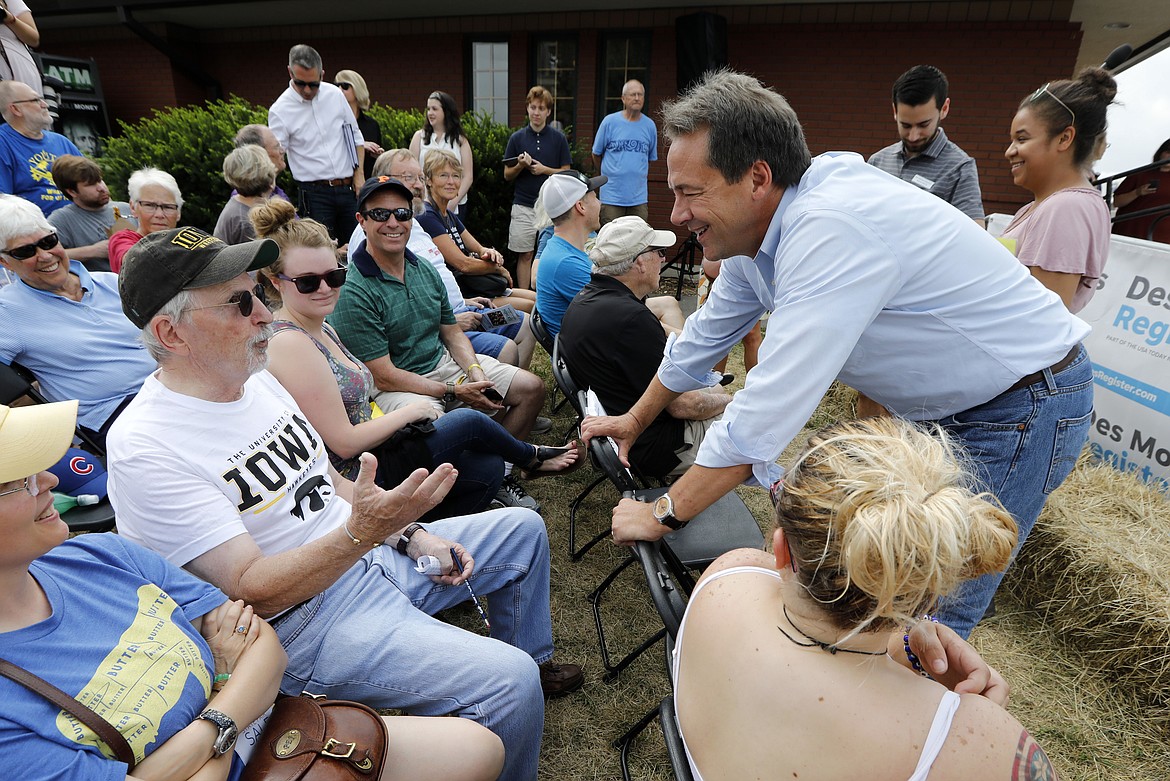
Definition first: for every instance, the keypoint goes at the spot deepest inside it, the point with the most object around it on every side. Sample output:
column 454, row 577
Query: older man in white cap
column 613, row 343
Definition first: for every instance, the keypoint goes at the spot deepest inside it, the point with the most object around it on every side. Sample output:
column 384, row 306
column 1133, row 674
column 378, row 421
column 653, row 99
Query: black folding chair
column 16, row 382
column 546, row 340
column 725, row 525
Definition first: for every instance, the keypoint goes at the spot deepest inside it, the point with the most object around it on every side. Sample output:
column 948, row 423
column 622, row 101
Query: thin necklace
column 817, row 643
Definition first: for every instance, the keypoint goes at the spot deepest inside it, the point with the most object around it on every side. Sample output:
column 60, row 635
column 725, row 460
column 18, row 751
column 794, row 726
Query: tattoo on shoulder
column 1031, row 763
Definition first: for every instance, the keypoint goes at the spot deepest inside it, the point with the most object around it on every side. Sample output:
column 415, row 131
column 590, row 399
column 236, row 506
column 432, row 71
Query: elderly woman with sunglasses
column 1062, row 236
column 479, row 270
column 157, row 204
column 333, row 388
column 162, row 656
column 784, row 657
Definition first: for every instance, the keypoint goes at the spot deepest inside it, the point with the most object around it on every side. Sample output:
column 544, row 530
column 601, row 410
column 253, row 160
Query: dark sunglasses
column 310, row 283
column 402, row 214
column 242, row 300
column 580, row 177
column 343, row 85
column 309, row 84
column 26, row 251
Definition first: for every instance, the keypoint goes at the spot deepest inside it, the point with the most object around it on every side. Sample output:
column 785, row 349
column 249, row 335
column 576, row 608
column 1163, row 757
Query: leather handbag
column 311, row 738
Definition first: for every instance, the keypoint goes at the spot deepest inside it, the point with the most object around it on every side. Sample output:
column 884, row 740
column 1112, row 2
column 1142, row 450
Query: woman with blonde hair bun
column 785, row 658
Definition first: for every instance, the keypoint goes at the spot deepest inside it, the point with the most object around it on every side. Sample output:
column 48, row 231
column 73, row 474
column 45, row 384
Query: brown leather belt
column 1034, row 377
column 345, row 182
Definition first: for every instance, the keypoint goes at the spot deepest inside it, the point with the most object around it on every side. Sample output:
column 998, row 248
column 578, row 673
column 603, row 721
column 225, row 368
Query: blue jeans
column 333, row 207
column 1023, row 444
column 478, row 447
column 371, row 637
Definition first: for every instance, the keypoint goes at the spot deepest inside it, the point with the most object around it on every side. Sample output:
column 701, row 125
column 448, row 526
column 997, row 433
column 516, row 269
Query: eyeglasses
column 580, row 177
column 26, row 251
column 340, row 85
column 1044, row 90
column 30, row 484
column 406, row 178
column 242, row 300
column 310, row 283
column 309, row 84
column 402, row 214
column 661, row 253
column 28, row 100
column 165, row 208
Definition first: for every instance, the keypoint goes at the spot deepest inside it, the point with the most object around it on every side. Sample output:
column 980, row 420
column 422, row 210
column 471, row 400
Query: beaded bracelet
column 915, row 664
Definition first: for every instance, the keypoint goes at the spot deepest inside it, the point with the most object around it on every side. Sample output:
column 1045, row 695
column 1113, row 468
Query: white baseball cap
column 561, row 191
column 625, row 238
column 33, row 438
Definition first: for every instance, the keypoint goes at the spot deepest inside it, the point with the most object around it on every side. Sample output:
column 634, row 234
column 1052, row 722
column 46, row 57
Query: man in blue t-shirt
column 535, row 152
column 570, row 198
column 28, row 148
column 626, row 142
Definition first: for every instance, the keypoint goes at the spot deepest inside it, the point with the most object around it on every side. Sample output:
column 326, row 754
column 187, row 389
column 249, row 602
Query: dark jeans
column 333, row 207
column 478, row 447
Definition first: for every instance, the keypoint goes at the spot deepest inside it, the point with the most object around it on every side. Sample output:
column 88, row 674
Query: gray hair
column 388, row 158
column 174, row 310
column 438, row 159
column 250, row 135
column 746, row 122
column 615, row 269
column 19, row 217
column 148, row 176
column 304, row 56
column 249, row 170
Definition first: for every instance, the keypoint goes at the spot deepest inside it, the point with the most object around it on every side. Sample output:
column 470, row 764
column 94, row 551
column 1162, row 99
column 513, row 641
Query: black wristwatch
column 404, row 537
column 226, row 740
column 449, row 396
column 664, row 513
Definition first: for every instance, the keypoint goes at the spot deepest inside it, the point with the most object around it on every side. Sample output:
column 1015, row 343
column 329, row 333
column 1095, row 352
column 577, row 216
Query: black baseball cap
column 165, row 263
column 377, row 183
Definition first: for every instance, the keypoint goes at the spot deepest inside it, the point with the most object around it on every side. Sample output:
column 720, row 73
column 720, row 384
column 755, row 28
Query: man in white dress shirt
column 313, row 122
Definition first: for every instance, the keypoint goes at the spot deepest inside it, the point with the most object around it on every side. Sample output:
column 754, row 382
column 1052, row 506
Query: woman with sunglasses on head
column 784, row 657
column 155, row 202
column 1063, row 235
column 333, row 388
column 479, row 270
column 357, row 94
column 443, row 130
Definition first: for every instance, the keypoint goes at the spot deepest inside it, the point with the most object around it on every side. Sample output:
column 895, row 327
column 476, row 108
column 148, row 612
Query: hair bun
column 1100, row 81
column 270, row 216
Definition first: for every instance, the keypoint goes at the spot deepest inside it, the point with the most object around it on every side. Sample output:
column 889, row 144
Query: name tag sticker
column 922, row 181
column 1009, row 242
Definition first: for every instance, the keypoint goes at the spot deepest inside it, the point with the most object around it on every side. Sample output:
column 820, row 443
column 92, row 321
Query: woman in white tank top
column 791, row 664
column 443, row 130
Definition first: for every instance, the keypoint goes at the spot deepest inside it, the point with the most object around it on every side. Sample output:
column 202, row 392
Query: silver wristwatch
column 225, row 741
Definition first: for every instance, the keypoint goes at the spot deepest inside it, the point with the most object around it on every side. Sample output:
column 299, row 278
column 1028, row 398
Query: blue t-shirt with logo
column 626, row 149
column 26, row 167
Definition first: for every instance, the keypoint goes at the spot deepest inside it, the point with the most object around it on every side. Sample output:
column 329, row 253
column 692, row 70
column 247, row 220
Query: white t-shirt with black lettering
column 187, row 475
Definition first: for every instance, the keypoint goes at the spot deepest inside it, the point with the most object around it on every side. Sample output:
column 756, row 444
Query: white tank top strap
column 939, row 729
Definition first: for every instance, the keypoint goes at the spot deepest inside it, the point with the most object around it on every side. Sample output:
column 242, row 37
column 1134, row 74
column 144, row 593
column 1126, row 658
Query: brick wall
column 834, row 62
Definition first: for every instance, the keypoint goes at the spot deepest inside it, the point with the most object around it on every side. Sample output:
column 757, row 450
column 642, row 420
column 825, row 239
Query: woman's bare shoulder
column 988, row 743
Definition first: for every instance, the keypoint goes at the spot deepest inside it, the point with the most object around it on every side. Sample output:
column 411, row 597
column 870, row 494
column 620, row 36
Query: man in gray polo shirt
column 925, row 157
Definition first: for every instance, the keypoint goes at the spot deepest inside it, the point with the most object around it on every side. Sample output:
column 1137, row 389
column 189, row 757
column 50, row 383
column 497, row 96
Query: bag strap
column 104, row 730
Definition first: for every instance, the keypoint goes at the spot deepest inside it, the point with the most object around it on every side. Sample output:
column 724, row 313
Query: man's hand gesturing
column 377, row 513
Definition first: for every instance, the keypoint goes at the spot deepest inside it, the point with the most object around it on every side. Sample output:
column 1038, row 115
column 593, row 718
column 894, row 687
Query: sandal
column 532, row 469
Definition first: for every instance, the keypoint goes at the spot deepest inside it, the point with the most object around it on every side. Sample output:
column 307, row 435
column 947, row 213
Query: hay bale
column 1097, row 568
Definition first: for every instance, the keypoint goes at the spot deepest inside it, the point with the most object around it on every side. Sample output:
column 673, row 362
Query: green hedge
column 190, row 143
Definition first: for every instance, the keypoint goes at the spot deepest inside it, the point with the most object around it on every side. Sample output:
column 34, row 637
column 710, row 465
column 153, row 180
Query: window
column 489, row 79
column 555, row 63
column 624, row 56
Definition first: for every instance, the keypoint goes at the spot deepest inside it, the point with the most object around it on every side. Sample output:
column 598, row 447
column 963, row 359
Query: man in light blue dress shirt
column 870, row 280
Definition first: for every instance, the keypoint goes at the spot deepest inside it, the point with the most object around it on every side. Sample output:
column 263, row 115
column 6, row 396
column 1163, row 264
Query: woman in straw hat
column 158, row 653
column 795, row 663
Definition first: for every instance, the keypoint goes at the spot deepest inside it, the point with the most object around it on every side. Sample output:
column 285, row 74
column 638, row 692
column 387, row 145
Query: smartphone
column 493, row 395
column 1153, row 185
column 511, row 160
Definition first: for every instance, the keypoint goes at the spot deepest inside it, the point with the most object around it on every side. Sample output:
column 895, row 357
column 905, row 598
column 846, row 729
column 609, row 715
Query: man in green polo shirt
column 394, row 315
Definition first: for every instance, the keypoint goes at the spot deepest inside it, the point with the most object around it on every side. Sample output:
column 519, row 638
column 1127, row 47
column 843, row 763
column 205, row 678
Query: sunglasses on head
column 242, row 300
column 580, row 177
column 343, row 85
column 26, row 251
column 402, row 214
column 309, row 84
column 1045, row 91
column 310, row 283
